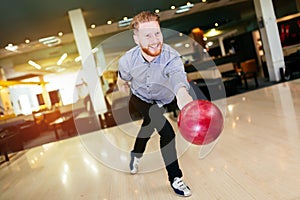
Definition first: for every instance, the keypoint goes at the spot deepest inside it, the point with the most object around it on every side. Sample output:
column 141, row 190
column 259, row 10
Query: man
column 154, row 73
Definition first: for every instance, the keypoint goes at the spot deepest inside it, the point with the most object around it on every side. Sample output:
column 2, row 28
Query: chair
column 39, row 121
column 248, row 69
column 50, row 117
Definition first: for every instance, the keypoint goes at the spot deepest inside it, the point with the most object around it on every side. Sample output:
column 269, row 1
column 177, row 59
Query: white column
column 89, row 69
column 5, row 102
column 221, row 43
column 270, row 37
column 100, row 58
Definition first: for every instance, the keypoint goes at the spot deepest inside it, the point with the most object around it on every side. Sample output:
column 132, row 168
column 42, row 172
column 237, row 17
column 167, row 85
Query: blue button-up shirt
column 156, row 81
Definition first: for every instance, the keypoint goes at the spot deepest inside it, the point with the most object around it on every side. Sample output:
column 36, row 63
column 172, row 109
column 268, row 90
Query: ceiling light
column 60, row 33
column 78, row 58
column 203, row 1
column 197, row 31
column 62, row 58
column 124, row 22
column 50, row 41
column 55, row 69
column 173, row 7
column 27, row 41
column 213, row 32
column 11, row 47
column 156, row 11
column 210, row 43
column 109, row 22
column 178, row 44
column 184, row 8
column 216, row 24
column 93, row 26
column 32, row 63
column 188, row 5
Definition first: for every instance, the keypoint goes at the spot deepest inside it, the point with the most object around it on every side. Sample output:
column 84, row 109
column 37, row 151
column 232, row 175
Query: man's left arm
column 183, row 97
column 179, row 81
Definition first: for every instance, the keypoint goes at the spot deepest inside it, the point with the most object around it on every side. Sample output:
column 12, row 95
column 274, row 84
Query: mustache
column 149, row 52
column 155, row 44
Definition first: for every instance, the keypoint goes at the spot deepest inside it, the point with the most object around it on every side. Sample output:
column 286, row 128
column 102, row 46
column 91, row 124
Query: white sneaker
column 181, row 188
column 134, row 164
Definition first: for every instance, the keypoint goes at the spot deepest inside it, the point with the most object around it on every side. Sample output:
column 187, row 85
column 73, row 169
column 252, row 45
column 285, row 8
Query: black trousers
column 153, row 118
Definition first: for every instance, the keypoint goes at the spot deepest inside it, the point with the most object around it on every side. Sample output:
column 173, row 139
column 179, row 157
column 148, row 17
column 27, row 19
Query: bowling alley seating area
column 225, row 80
column 23, row 132
column 292, row 66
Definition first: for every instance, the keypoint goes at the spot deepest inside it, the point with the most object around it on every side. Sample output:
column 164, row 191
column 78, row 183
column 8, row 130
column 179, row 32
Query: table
column 9, row 142
column 59, row 121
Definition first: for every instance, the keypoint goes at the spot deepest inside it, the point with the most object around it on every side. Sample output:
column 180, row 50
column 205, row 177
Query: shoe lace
column 181, row 184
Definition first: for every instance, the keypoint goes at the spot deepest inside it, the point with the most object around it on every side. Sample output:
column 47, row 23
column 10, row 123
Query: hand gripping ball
column 200, row 122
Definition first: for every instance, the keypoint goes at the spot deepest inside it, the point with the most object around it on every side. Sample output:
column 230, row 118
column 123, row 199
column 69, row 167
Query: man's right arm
column 123, row 86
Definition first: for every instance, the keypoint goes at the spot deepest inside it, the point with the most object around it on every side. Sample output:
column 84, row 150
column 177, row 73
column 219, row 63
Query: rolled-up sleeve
column 123, row 69
column 177, row 75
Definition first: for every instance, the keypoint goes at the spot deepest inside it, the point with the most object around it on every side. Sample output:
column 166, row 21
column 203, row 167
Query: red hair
column 144, row 16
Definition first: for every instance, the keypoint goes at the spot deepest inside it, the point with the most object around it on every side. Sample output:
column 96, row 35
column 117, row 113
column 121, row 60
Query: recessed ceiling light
column 109, row 22
column 216, row 24
column 173, row 7
column 93, row 26
column 125, row 22
column 34, row 64
column 184, row 8
column 62, row 58
column 213, row 32
column 179, row 44
column 210, row 43
column 156, row 11
column 78, row 58
column 50, row 41
column 60, row 33
column 27, row 41
column 11, row 47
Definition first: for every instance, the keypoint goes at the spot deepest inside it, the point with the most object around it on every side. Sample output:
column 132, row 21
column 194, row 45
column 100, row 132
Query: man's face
column 149, row 37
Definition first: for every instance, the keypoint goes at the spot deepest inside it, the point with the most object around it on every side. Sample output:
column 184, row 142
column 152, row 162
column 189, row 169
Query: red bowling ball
column 200, row 122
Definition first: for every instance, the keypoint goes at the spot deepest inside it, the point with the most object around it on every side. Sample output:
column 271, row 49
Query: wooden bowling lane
column 256, row 157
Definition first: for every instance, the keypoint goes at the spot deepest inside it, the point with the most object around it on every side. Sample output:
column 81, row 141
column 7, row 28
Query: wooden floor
column 256, row 157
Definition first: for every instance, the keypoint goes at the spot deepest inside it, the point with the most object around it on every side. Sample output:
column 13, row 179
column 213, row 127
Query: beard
column 152, row 51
